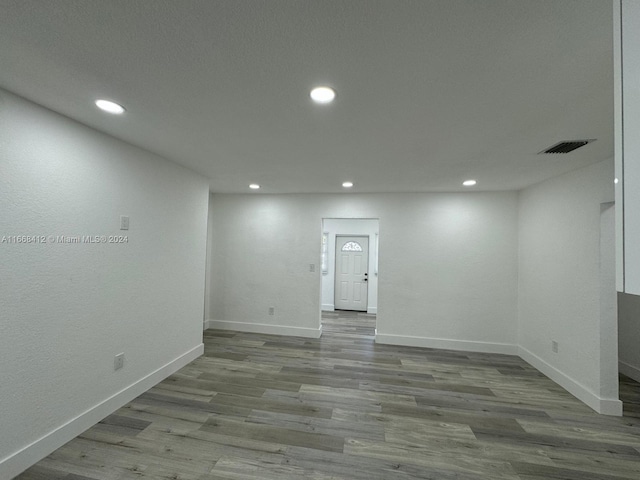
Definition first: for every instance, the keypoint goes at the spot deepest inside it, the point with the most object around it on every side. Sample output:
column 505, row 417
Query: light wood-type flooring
column 341, row 407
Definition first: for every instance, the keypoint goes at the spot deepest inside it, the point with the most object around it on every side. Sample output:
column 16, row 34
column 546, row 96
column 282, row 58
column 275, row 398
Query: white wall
column 448, row 271
column 447, row 265
column 627, row 142
column 627, row 170
column 262, row 247
column 629, row 334
column 68, row 309
column 562, row 287
column 349, row 226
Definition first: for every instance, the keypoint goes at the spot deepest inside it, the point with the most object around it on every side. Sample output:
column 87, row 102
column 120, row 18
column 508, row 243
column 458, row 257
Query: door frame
column 340, row 225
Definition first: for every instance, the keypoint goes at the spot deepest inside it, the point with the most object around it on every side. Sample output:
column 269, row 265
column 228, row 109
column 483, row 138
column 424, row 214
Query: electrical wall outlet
column 272, row 310
column 118, row 362
column 124, row 222
column 554, row 347
column 312, row 267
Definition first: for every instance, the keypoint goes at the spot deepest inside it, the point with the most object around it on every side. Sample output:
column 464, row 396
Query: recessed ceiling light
column 254, row 186
column 323, row 94
column 347, row 184
column 110, row 107
column 469, row 183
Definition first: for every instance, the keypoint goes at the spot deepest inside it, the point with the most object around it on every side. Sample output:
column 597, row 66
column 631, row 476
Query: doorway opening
column 350, row 267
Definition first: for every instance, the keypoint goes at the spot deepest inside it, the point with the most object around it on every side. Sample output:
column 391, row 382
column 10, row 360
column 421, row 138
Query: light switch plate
column 118, row 361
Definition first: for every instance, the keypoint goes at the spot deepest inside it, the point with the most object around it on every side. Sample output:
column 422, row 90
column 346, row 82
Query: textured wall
column 68, row 309
column 560, row 276
column 447, row 262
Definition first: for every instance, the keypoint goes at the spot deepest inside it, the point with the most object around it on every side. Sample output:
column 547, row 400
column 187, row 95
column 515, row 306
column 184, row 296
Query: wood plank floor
column 341, row 407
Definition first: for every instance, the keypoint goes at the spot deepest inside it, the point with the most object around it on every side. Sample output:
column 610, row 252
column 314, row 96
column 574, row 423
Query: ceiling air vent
column 567, row 146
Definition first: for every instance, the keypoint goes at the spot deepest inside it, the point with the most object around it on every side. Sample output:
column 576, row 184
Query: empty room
column 337, row 239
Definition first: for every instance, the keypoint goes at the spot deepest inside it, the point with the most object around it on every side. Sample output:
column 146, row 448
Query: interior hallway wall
column 627, row 155
column 69, row 308
column 447, row 265
column 560, row 284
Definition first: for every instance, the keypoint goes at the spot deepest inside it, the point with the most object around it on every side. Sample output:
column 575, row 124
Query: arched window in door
column 352, row 247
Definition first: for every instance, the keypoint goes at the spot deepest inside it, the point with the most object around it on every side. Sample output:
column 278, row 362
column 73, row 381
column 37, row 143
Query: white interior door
column 352, row 263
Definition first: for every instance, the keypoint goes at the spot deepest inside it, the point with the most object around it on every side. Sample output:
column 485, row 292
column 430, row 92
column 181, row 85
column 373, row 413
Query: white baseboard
column 605, row 406
column 629, row 370
column 265, row 328
column 447, row 344
column 36, row 451
column 372, row 310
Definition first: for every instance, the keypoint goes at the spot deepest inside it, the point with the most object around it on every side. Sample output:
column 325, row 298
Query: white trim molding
column 447, row 344
column 19, row 461
column 264, row 328
column 328, row 307
column 605, row 406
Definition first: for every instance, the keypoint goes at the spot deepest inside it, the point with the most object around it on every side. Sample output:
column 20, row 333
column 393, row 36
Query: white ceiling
column 429, row 92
